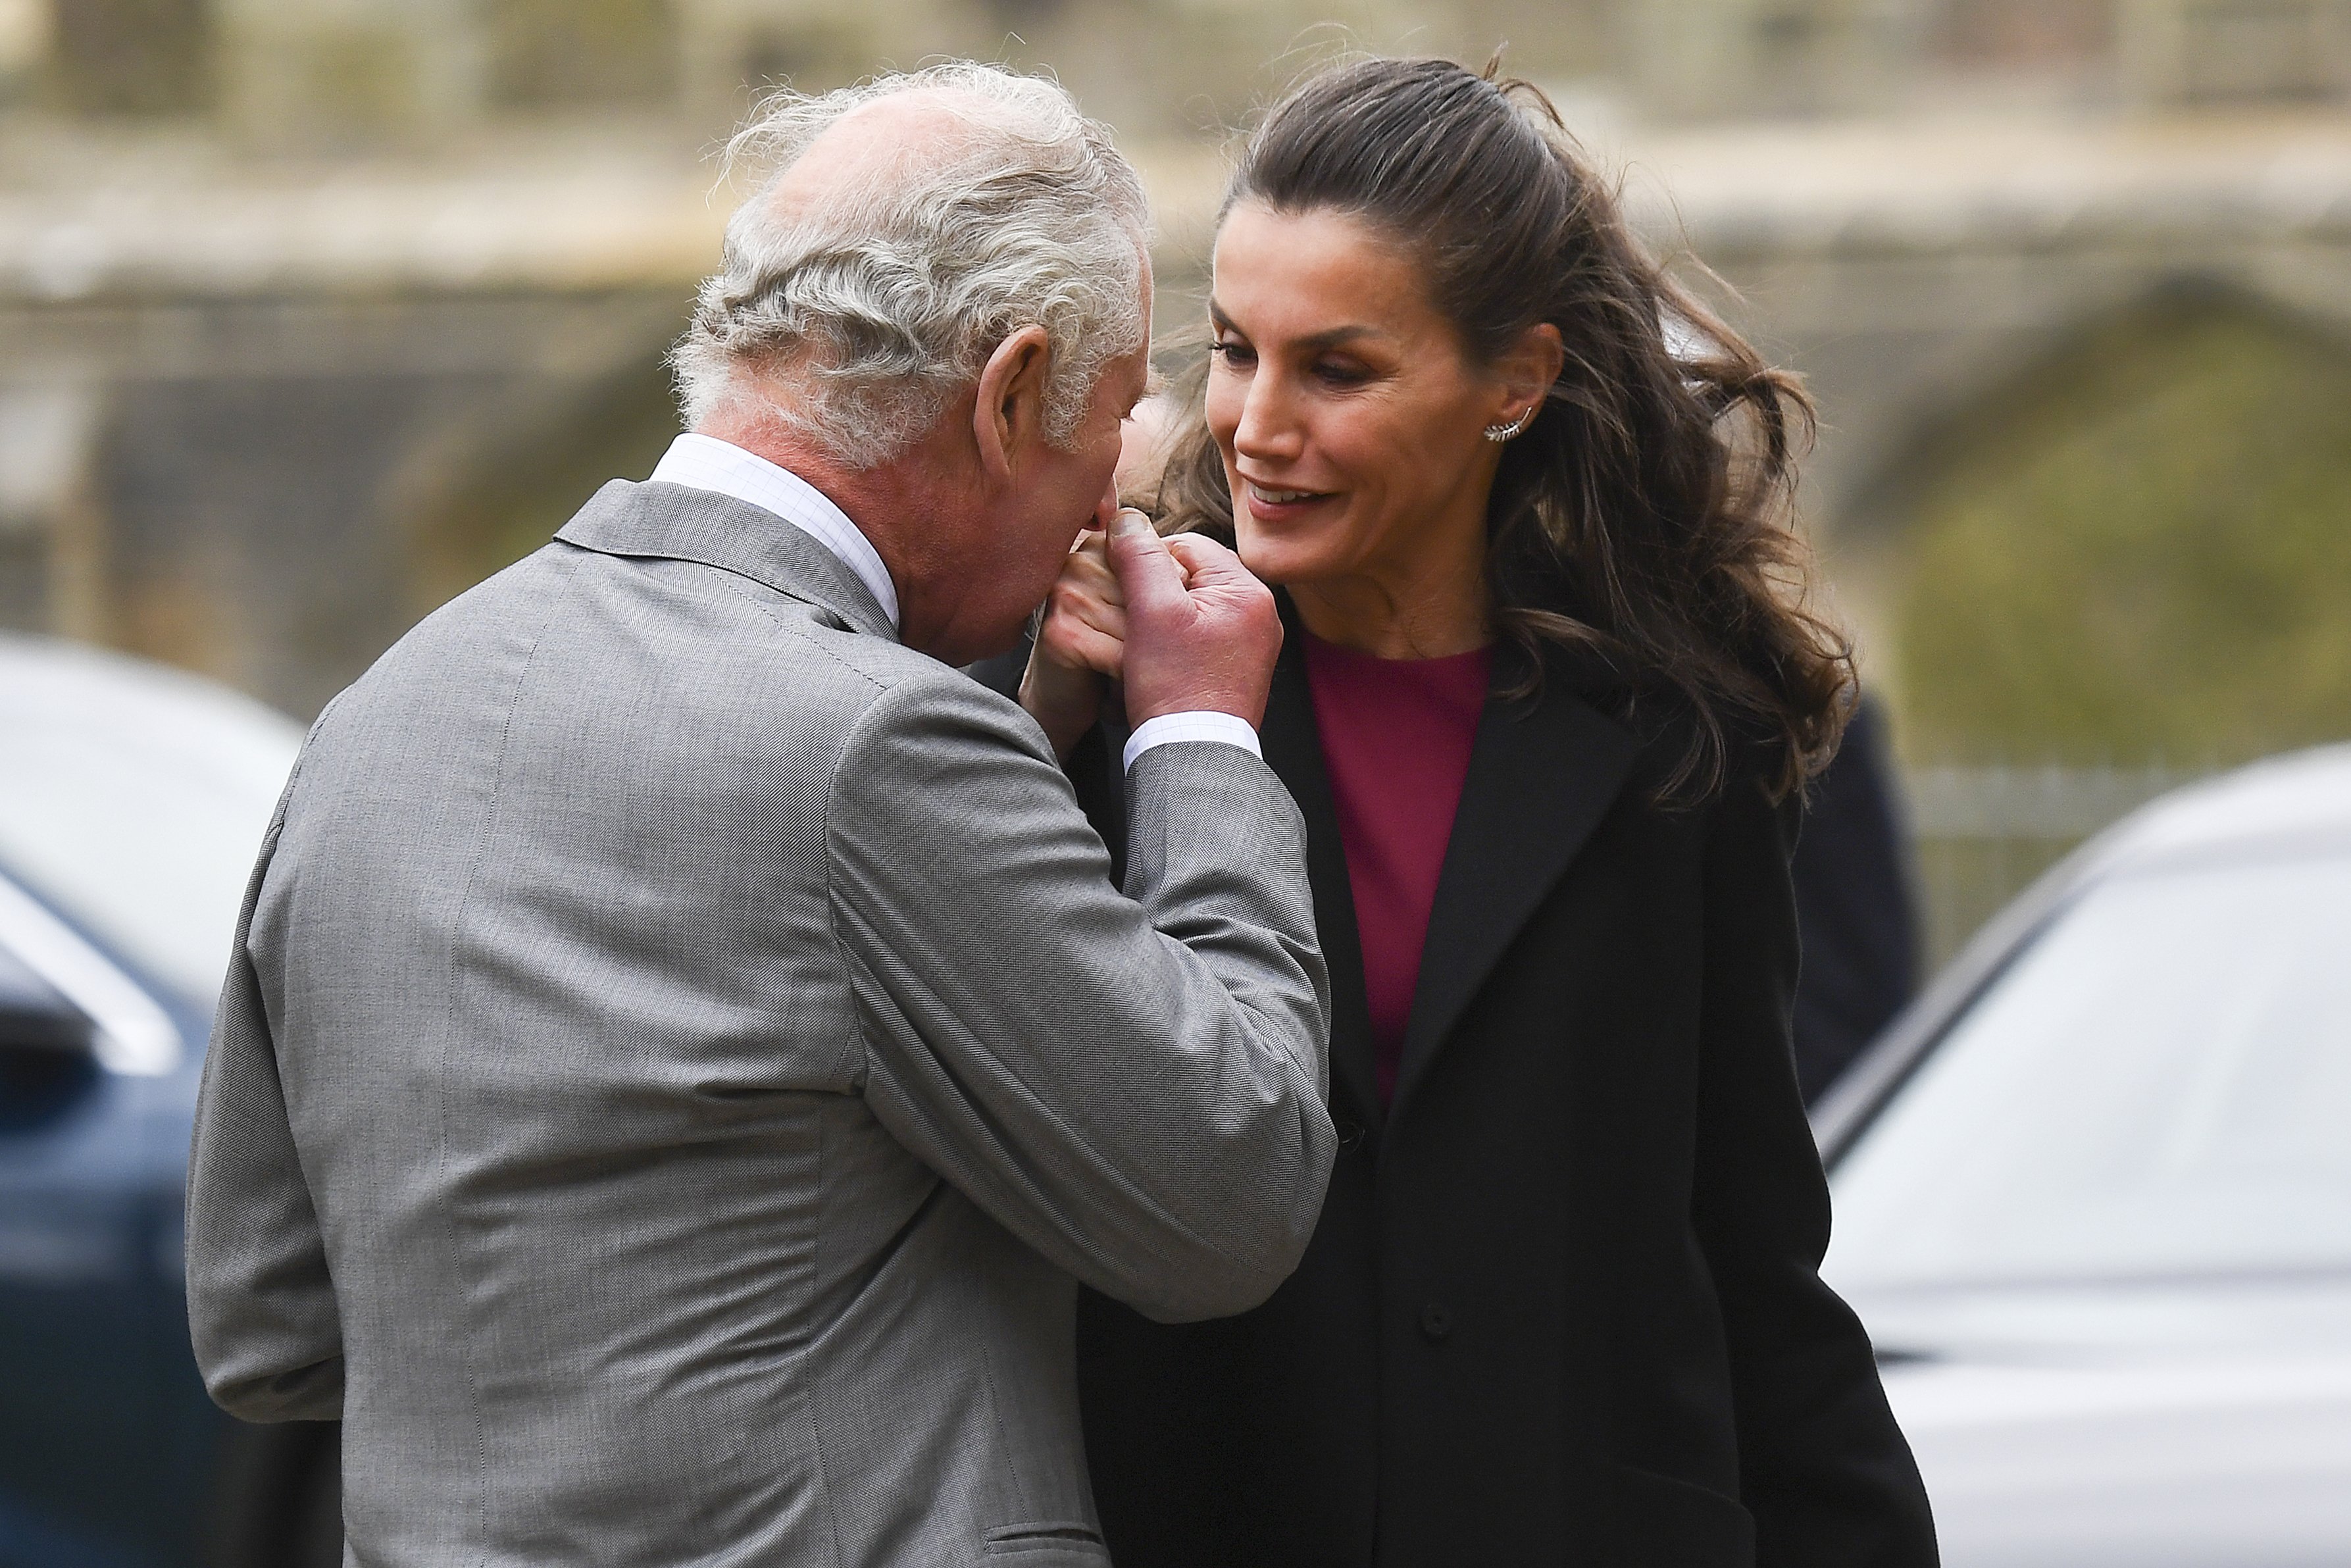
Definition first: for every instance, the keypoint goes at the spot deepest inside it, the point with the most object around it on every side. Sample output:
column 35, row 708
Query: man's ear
column 1527, row 368
column 1009, row 416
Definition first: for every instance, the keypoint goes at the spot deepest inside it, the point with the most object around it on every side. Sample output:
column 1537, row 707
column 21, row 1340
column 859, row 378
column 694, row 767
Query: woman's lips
column 1276, row 504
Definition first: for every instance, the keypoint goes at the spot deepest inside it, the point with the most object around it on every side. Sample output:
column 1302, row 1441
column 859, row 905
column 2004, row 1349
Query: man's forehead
column 1129, row 379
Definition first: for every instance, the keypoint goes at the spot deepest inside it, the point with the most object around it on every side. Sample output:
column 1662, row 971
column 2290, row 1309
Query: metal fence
column 1982, row 834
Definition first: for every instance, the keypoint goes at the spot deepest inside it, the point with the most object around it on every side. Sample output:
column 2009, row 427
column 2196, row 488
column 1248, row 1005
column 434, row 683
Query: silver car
column 2094, row 1196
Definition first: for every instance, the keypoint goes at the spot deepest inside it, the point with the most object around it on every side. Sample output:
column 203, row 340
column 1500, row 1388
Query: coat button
column 1435, row 1323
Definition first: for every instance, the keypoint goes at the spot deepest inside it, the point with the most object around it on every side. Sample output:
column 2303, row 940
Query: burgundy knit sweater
column 1396, row 734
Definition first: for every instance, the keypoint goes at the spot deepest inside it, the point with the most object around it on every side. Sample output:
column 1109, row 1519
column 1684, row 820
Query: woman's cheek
column 1249, row 543
column 1221, row 410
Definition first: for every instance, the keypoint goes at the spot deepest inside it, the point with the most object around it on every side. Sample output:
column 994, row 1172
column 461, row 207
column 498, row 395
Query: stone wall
column 357, row 71
column 303, row 333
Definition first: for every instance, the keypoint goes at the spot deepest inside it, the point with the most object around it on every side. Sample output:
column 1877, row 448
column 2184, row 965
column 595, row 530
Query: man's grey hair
column 861, row 313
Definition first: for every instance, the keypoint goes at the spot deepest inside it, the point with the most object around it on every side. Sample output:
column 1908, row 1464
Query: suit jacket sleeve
column 1130, row 1081
column 1825, row 1471
column 261, row 1307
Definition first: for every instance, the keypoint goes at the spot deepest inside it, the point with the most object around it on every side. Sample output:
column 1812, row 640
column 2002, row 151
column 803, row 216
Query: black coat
column 1562, row 1306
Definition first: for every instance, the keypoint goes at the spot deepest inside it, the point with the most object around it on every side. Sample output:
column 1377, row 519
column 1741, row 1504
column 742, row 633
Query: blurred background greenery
column 313, row 312
column 2142, row 549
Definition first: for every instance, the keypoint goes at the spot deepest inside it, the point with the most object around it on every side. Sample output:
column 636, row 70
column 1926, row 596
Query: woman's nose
column 1269, row 429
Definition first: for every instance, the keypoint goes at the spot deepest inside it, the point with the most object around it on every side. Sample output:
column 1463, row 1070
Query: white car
column 2094, row 1196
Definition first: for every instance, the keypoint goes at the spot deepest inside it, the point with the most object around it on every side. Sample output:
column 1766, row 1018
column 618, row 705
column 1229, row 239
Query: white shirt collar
column 706, row 463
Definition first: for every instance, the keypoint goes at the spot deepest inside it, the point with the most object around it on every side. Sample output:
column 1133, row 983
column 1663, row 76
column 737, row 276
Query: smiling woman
column 1548, row 698
column 1445, row 392
column 1341, row 406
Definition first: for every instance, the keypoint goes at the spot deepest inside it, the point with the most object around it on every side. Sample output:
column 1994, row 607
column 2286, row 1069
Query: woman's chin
column 1276, row 562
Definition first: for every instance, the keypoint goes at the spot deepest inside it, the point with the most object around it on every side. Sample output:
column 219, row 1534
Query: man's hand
column 1201, row 633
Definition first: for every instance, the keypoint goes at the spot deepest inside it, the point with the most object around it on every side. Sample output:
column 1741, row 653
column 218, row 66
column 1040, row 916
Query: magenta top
column 1396, row 734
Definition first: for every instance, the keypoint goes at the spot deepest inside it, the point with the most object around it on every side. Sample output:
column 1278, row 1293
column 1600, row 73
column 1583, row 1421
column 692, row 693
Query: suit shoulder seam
column 734, row 586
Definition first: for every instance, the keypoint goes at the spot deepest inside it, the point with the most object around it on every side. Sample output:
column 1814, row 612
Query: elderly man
column 684, row 1046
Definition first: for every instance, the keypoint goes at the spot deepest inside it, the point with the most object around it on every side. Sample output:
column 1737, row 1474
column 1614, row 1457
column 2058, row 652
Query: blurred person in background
column 1548, row 701
column 683, row 1047
column 1855, row 905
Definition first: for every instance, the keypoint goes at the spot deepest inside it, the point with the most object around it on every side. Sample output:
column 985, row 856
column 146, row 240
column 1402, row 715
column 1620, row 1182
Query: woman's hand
column 1081, row 642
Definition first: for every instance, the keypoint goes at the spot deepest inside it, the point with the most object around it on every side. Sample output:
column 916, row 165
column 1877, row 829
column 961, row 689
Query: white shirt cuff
column 1230, row 729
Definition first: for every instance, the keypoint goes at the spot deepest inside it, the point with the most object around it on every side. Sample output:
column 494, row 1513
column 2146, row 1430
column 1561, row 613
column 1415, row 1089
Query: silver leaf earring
column 1499, row 434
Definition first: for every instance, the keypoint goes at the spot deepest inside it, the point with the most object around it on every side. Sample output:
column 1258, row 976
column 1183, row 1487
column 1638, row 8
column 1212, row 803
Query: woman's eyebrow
column 1330, row 337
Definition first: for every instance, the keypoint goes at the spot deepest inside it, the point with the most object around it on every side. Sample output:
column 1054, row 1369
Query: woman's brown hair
column 1644, row 515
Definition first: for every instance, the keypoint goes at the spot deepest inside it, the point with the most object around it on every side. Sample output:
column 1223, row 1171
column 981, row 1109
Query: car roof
column 2301, row 794
column 2298, row 799
column 131, row 799
column 49, row 683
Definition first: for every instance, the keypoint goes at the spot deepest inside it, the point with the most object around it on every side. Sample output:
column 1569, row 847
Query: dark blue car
column 132, row 800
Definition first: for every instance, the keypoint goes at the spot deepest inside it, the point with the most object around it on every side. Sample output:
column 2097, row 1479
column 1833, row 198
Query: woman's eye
column 1234, row 353
column 1340, row 373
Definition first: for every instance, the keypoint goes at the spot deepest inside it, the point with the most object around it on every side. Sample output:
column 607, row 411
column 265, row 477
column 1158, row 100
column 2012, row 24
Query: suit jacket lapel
column 1293, row 749
column 1542, row 772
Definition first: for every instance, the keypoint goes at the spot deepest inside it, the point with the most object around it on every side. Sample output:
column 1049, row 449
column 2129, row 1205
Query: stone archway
column 2137, row 548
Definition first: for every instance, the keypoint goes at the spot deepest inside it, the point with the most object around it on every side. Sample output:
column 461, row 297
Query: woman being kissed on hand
column 1547, row 702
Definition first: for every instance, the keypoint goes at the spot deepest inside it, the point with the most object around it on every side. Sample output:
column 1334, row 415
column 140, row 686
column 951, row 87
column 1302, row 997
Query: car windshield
column 134, row 800
column 2159, row 1087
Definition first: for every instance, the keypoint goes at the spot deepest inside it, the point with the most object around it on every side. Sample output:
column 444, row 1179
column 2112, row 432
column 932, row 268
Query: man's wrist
column 1201, row 724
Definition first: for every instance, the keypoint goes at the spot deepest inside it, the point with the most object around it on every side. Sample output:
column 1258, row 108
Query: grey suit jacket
column 684, row 1048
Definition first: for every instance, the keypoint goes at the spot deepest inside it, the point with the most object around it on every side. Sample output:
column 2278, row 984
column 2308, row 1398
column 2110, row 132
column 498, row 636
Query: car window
column 134, row 801
column 41, row 1032
column 2159, row 1086
column 25, row 997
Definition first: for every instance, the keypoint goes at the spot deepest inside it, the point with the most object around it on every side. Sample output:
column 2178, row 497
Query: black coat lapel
column 1293, row 749
column 1542, row 772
